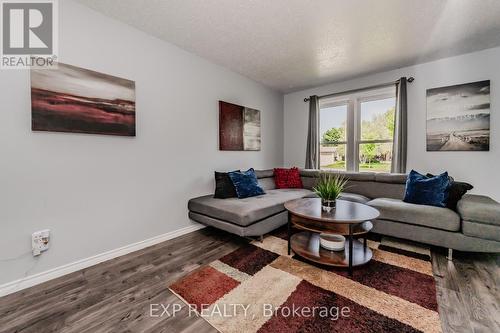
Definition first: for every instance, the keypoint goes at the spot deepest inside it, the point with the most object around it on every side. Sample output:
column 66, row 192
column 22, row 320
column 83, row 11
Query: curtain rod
column 410, row 80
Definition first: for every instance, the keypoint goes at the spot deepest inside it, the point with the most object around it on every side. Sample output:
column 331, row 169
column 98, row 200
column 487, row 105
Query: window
column 333, row 136
column 356, row 131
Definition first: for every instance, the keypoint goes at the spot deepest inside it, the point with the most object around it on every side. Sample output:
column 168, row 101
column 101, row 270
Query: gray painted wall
column 478, row 168
column 98, row 193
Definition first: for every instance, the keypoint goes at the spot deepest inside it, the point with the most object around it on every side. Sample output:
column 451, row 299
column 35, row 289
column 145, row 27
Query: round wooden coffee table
column 349, row 219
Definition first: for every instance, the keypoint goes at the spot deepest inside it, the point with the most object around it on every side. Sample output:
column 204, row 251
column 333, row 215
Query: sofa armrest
column 479, row 209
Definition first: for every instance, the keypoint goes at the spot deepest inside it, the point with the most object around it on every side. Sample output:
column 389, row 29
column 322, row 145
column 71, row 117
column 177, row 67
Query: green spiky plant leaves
column 330, row 185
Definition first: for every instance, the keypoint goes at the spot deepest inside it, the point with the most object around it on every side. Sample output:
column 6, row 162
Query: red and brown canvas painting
column 77, row 100
column 239, row 127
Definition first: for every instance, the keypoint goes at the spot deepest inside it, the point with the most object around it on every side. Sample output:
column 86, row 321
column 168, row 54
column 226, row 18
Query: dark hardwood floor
column 115, row 296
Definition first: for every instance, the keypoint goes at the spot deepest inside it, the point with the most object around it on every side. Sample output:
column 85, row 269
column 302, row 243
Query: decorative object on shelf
column 239, row 127
column 332, row 242
column 77, row 100
column 458, row 117
column 328, row 188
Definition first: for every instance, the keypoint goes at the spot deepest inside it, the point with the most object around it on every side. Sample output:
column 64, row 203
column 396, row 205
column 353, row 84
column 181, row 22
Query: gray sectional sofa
column 474, row 227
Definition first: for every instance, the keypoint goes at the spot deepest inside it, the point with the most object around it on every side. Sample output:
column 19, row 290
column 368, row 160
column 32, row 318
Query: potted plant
column 328, row 188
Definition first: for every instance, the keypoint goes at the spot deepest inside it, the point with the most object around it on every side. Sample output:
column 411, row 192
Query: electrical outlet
column 40, row 241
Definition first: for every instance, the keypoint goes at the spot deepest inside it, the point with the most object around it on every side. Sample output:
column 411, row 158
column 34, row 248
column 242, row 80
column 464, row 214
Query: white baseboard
column 33, row 280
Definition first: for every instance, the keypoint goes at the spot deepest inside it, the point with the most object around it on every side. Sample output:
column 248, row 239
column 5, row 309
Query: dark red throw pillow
column 287, row 178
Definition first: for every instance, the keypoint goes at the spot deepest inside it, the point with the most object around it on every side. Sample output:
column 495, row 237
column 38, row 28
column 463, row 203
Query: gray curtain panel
column 312, row 151
column 400, row 145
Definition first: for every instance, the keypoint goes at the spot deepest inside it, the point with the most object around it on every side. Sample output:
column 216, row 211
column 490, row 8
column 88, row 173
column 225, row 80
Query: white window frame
column 341, row 101
column 353, row 121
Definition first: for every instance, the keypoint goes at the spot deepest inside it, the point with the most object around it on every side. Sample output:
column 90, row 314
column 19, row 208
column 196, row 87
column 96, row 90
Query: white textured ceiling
column 293, row 44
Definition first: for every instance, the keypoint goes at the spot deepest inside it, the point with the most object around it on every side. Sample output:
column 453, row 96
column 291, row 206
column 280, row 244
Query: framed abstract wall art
column 239, row 127
column 77, row 100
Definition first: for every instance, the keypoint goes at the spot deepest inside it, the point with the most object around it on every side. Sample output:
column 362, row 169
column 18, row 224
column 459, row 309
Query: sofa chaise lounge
column 475, row 226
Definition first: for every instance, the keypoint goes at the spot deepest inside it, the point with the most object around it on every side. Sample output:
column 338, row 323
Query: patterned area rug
column 259, row 288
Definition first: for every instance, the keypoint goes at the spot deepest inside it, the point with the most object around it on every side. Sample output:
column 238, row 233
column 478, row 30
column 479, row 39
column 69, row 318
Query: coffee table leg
column 289, row 231
column 350, row 250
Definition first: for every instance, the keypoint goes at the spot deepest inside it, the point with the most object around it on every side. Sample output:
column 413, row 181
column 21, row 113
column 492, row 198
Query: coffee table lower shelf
column 307, row 245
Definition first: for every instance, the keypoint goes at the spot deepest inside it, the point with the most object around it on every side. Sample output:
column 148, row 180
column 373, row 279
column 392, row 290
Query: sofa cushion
column 428, row 216
column 479, row 209
column 456, row 191
column 287, row 178
column 345, row 196
column 266, row 179
column 481, row 230
column 267, row 183
column 377, row 189
column 246, row 211
column 224, row 187
column 391, row 178
column 264, row 173
column 358, row 176
column 353, row 197
column 423, row 190
column 368, row 184
column 246, row 184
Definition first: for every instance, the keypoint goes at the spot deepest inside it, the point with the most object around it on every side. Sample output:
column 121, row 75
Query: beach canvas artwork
column 239, row 127
column 458, row 117
column 78, row 100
